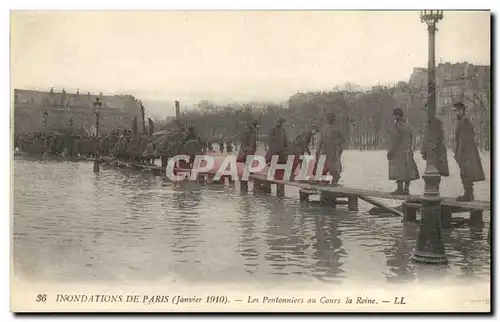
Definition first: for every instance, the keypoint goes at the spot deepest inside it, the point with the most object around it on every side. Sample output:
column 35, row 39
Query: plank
column 380, row 205
column 476, row 204
column 314, row 188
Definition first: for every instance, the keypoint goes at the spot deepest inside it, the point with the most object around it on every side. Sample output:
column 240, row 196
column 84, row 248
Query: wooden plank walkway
column 476, row 204
column 333, row 195
column 317, row 189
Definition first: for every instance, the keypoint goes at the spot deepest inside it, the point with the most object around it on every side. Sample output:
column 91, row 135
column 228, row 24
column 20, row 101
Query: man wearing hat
column 277, row 140
column 248, row 142
column 331, row 144
column 467, row 154
column 402, row 167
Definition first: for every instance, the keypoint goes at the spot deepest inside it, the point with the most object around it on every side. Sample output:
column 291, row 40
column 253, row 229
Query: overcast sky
column 232, row 55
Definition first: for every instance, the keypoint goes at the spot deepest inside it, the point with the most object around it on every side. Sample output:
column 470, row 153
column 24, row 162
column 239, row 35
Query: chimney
column 177, row 110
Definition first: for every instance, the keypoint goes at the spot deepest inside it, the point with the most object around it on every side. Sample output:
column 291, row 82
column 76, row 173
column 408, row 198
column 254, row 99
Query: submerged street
column 72, row 224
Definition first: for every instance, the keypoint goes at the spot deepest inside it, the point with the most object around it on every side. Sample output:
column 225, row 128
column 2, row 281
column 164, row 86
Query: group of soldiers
column 330, row 141
column 122, row 145
column 402, row 167
column 57, row 144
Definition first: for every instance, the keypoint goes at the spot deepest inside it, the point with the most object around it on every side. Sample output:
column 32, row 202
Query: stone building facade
column 72, row 110
column 455, row 82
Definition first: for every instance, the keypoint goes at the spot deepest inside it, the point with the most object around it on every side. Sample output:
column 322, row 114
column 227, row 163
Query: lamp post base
column 430, row 247
column 428, row 258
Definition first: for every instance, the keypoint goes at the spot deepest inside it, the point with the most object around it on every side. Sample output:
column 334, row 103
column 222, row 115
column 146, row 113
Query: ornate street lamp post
column 143, row 116
column 430, row 247
column 97, row 107
column 45, row 118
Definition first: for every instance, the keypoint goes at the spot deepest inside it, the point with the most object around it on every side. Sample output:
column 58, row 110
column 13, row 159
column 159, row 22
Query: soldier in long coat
column 467, row 154
column 248, row 142
column 149, row 151
column 142, row 146
column 277, row 140
column 402, row 167
column 330, row 143
column 132, row 147
column 440, row 149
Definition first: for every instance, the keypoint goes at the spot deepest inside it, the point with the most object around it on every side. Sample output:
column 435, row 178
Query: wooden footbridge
column 332, row 195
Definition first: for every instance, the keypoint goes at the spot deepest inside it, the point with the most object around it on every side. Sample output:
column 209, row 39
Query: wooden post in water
column 410, row 211
column 280, row 190
column 244, row 185
column 352, row 203
column 262, row 186
column 476, row 217
column 303, row 196
column 445, row 217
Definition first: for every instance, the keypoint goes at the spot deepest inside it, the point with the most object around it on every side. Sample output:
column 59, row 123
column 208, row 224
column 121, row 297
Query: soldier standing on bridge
column 248, row 142
column 402, row 167
column 330, row 143
column 467, row 154
column 277, row 140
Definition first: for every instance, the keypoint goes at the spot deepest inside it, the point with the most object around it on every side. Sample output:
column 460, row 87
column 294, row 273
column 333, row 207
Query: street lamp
column 430, row 247
column 45, row 118
column 97, row 107
column 143, row 112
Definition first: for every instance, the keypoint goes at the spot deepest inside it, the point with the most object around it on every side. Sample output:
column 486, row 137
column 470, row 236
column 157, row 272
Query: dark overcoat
column 466, row 152
column 149, row 151
column 402, row 166
column 248, row 144
column 331, row 144
column 277, row 142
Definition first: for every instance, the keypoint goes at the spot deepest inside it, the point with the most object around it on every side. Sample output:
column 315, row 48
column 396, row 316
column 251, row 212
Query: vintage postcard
column 250, row 161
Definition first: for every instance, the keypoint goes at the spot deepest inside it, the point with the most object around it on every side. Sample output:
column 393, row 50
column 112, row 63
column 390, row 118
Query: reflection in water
column 248, row 236
column 286, row 244
column 184, row 219
column 72, row 224
column 328, row 247
column 470, row 248
column 399, row 256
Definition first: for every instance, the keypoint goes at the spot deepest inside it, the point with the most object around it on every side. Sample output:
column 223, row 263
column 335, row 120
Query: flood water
column 70, row 224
